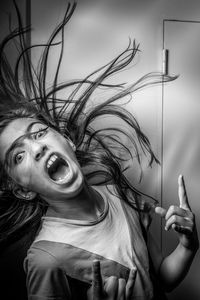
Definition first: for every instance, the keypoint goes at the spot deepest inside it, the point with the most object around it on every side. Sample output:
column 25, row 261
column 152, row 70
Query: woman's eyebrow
column 17, row 142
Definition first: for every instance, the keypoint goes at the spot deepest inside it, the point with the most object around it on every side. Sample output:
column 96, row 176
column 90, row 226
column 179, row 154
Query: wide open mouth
column 57, row 168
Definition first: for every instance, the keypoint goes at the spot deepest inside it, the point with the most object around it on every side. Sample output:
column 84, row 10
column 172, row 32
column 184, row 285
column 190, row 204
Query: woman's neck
column 87, row 205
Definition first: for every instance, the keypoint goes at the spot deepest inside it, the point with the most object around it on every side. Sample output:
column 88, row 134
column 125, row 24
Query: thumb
column 160, row 211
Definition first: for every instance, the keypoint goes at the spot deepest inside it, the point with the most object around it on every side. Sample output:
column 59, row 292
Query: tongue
column 60, row 173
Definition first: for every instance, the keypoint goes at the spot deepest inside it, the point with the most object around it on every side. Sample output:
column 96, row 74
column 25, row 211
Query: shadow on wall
column 184, row 292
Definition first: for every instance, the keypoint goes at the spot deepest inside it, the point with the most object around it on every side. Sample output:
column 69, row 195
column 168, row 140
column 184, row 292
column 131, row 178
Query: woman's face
column 43, row 161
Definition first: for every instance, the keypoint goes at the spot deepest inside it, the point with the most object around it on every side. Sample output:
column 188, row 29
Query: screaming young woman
column 92, row 240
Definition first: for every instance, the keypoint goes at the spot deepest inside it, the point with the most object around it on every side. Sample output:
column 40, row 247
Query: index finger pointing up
column 182, row 193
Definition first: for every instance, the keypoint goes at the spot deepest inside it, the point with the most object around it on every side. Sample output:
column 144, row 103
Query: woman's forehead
column 11, row 132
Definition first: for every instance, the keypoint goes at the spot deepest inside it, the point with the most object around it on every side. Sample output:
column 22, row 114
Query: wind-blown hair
column 100, row 151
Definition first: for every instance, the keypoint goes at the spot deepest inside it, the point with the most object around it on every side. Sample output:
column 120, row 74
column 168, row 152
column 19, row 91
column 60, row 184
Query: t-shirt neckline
column 101, row 216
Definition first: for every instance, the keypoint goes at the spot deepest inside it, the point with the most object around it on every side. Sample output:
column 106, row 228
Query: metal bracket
column 165, row 60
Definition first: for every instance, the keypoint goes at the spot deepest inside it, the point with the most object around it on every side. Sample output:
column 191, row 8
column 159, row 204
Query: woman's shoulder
column 41, row 254
column 46, row 253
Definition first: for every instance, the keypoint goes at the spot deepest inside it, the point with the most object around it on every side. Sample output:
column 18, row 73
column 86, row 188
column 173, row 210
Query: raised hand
column 181, row 218
column 112, row 288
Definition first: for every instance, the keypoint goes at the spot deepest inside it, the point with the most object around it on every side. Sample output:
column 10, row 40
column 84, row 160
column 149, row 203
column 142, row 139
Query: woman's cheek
column 22, row 175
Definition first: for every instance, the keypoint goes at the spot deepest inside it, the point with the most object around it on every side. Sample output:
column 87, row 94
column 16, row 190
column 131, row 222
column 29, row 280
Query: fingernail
column 166, row 228
column 133, row 272
column 96, row 264
column 173, row 226
column 95, row 261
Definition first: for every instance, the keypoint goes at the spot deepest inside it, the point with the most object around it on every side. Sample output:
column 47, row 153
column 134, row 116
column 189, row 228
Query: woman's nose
column 39, row 150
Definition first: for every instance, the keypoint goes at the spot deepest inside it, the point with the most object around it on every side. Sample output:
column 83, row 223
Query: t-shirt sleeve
column 45, row 278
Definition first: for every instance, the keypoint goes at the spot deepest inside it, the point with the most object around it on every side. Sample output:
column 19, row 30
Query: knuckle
column 173, row 208
column 190, row 217
column 174, row 218
column 186, row 213
column 113, row 278
column 122, row 282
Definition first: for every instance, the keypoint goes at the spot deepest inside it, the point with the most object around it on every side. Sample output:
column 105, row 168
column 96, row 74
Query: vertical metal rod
column 162, row 141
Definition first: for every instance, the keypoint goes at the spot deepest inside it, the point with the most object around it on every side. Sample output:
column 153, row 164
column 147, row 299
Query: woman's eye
column 40, row 133
column 19, row 157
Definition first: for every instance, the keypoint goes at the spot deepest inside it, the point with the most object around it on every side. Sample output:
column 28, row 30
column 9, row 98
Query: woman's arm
column 45, row 278
column 173, row 268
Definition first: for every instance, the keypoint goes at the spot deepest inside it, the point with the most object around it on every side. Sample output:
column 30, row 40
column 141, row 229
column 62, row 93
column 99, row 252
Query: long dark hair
column 100, row 151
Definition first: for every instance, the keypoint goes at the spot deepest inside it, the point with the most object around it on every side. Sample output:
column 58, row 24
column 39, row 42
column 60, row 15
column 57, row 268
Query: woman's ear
column 23, row 193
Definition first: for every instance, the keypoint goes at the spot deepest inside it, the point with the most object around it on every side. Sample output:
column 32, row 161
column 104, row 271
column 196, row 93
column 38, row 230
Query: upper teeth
column 51, row 160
